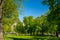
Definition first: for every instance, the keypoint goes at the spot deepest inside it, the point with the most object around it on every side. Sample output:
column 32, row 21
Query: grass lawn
column 11, row 37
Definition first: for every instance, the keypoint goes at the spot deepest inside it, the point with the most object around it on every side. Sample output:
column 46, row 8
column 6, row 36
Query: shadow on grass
column 19, row 39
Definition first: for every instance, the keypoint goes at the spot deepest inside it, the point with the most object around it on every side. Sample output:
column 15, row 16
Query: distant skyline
column 33, row 8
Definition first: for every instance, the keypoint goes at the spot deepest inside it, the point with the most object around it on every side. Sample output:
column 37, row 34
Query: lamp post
column 1, row 29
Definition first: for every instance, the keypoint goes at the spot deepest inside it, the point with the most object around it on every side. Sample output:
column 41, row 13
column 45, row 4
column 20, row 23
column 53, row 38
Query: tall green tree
column 54, row 15
column 31, row 29
column 26, row 23
column 10, row 12
column 37, row 25
column 29, row 22
column 43, row 26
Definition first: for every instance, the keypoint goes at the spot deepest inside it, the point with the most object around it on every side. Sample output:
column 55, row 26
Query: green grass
column 11, row 37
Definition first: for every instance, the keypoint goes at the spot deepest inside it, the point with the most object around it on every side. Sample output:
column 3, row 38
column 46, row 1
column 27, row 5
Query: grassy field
column 14, row 37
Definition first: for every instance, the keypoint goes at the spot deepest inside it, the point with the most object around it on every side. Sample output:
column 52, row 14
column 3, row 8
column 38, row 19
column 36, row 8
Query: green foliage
column 54, row 15
column 43, row 24
column 7, row 28
column 10, row 13
column 36, row 25
column 29, row 24
column 8, row 7
column 6, row 25
column 19, row 27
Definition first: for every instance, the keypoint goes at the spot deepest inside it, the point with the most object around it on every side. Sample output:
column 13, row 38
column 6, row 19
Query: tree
column 31, row 29
column 37, row 25
column 26, row 23
column 19, row 27
column 1, row 30
column 29, row 24
column 54, row 15
column 9, row 11
column 43, row 26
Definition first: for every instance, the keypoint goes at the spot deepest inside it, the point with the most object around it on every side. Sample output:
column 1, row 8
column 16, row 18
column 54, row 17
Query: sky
column 33, row 8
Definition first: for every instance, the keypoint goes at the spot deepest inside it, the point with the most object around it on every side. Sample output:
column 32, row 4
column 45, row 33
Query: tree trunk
column 42, row 32
column 1, row 29
column 56, row 34
column 42, row 29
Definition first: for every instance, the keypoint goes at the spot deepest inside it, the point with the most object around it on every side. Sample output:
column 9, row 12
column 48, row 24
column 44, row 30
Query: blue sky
column 33, row 8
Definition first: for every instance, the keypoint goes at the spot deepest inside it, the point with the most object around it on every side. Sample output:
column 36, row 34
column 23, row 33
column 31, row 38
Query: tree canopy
column 10, row 12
